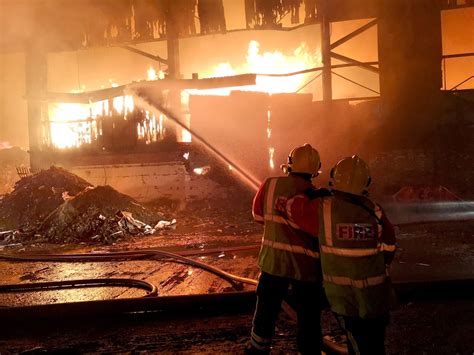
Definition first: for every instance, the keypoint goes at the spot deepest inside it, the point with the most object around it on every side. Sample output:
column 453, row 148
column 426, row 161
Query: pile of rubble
column 36, row 196
column 59, row 207
column 98, row 214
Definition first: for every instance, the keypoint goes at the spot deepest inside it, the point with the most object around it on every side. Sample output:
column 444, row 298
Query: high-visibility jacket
column 357, row 243
column 286, row 250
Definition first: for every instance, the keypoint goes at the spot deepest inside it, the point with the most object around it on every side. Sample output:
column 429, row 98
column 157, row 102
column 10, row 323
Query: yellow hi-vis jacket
column 286, row 250
column 356, row 244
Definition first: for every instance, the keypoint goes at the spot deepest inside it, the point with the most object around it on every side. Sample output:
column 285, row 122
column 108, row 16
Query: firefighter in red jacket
column 357, row 244
column 289, row 257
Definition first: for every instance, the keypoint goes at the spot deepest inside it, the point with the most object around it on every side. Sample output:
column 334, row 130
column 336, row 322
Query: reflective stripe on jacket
column 353, row 246
column 286, row 251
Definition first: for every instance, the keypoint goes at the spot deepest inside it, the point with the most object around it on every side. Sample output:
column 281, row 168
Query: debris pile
column 99, row 214
column 36, row 196
column 59, row 207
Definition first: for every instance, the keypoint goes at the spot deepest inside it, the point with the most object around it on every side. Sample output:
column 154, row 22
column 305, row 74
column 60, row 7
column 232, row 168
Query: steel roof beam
column 355, row 62
column 353, row 34
column 145, row 54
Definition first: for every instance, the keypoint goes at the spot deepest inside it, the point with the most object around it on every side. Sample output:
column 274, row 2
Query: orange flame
column 268, row 63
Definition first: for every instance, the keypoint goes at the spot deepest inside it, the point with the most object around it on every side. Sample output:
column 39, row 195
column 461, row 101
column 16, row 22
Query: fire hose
column 59, row 285
column 128, row 255
column 131, row 255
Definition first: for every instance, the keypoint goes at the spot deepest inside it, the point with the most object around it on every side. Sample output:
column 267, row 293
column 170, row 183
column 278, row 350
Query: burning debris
column 59, row 207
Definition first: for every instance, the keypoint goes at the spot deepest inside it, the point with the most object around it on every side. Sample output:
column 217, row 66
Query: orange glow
column 267, row 63
column 72, row 125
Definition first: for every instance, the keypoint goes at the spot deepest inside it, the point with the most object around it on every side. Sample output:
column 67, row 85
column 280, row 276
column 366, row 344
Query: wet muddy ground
column 426, row 252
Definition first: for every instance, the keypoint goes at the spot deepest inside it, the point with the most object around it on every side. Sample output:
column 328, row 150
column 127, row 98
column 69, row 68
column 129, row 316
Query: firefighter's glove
column 280, row 205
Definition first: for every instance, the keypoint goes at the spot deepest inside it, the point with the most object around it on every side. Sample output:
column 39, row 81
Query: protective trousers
column 365, row 336
column 306, row 300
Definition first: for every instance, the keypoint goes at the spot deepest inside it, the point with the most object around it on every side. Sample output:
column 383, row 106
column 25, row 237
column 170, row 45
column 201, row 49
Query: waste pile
column 35, row 197
column 57, row 206
column 98, row 214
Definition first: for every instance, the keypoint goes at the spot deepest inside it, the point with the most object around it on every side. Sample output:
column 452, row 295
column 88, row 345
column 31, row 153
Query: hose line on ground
column 129, row 255
column 151, row 290
column 137, row 255
column 142, row 254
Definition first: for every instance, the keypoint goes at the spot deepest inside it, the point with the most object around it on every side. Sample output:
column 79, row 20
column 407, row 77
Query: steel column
column 326, row 51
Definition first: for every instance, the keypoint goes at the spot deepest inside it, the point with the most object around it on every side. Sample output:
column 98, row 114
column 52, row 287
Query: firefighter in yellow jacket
column 289, row 257
column 357, row 244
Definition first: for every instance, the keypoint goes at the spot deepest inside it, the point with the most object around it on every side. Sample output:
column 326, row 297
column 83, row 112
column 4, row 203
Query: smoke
column 94, row 68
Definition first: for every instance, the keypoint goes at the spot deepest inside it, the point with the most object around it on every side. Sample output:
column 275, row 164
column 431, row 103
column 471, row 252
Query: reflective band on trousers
column 263, row 344
column 291, row 248
column 346, row 281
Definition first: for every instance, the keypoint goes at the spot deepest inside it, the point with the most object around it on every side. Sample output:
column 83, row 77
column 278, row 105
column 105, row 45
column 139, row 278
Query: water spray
column 398, row 213
column 426, row 212
column 157, row 108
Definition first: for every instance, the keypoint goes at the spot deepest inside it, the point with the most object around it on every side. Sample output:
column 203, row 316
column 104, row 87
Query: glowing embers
column 202, row 170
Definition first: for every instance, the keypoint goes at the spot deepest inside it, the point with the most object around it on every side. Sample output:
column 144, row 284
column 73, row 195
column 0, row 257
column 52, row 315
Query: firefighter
column 357, row 245
column 289, row 257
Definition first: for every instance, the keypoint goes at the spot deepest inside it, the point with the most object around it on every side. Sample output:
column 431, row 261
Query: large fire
column 268, row 63
column 73, row 125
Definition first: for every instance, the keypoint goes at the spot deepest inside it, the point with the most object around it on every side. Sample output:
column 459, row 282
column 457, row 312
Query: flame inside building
column 75, row 125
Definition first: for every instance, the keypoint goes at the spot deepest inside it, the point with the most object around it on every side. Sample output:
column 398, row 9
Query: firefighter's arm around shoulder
column 257, row 205
column 303, row 211
column 387, row 239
